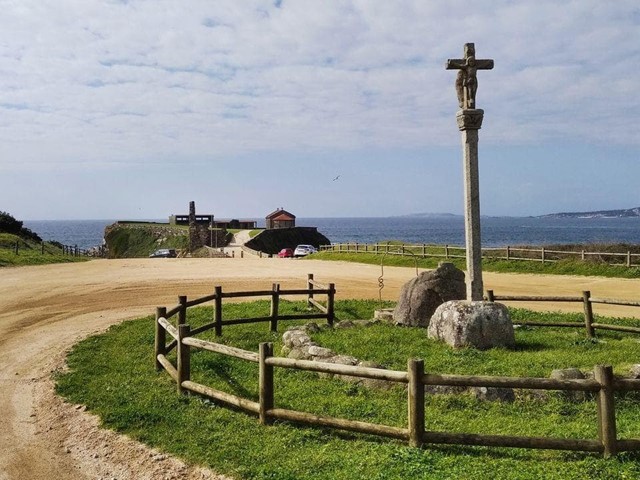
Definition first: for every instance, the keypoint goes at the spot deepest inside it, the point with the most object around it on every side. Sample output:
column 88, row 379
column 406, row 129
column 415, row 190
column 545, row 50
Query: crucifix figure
column 469, row 122
column 467, row 81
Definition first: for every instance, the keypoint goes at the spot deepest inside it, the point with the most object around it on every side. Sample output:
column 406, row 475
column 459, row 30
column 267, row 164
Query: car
column 302, row 250
column 164, row 253
column 285, row 253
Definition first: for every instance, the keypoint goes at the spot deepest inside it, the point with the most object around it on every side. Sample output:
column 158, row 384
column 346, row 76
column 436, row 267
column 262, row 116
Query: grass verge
column 31, row 253
column 562, row 267
column 113, row 375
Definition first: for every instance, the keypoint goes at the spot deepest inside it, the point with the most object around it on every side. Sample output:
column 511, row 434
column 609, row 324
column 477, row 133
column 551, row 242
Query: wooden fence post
column 606, row 410
column 542, row 255
column 446, row 251
column 628, row 258
column 17, row 247
column 160, row 343
column 265, row 379
column 183, row 357
column 416, row 402
column 508, row 252
column 588, row 313
column 331, row 304
column 490, row 296
column 310, row 288
column 217, row 311
column 582, row 255
column 182, row 313
column 275, row 302
column 424, row 251
column 42, row 248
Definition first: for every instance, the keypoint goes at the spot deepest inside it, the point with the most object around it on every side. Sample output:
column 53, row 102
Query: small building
column 184, row 219
column 280, row 219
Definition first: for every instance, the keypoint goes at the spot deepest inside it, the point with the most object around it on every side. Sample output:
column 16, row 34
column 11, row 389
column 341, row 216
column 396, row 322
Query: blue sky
column 130, row 109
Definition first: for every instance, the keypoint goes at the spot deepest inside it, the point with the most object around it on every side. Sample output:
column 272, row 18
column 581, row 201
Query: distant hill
column 623, row 213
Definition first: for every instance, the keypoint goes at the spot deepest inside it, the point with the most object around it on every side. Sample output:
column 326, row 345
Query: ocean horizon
column 436, row 229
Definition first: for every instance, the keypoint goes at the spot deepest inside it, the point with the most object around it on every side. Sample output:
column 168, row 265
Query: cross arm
column 461, row 64
column 456, row 64
column 484, row 64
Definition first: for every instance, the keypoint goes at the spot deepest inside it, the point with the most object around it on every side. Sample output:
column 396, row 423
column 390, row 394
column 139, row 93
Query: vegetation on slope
column 130, row 240
column 113, row 375
column 20, row 246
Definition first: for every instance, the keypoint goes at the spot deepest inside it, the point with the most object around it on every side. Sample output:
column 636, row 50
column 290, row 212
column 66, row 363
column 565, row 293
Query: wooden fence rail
column 603, row 384
column 587, row 301
column 424, row 250
column 69, row 250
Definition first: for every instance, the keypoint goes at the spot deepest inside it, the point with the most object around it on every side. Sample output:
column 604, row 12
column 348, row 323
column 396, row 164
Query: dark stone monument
column 421, row 295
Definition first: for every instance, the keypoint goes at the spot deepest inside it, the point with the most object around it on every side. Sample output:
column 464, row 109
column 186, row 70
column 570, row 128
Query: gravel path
column 44, row 310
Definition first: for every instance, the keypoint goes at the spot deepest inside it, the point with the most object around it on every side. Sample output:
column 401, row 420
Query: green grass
column 562, row 267
column 113, row 375
column 31, row 253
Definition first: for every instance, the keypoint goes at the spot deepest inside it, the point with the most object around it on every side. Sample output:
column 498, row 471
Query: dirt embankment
column 44, row 310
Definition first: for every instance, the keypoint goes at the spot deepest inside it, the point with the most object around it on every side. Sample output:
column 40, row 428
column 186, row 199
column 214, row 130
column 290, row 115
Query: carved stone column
column 469, row 122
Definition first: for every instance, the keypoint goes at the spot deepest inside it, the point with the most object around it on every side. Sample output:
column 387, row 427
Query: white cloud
column 84, row 81
column 92, row 84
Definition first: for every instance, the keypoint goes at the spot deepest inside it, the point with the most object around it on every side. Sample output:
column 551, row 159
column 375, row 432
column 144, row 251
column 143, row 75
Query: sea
column 441, row 230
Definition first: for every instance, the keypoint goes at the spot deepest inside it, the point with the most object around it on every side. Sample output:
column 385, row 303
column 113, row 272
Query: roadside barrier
column 603, row 385
column 542, row 255
column 586, row 299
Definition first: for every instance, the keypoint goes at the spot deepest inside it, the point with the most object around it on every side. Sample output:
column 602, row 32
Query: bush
column 8, row 224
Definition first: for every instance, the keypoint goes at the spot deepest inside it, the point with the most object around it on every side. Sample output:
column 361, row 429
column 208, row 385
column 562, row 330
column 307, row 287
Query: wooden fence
column 603, row 384
column 543, row 255
column 587, row 301
column 70, row 250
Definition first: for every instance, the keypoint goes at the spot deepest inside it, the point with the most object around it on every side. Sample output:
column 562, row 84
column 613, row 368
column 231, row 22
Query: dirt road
column 46, row 309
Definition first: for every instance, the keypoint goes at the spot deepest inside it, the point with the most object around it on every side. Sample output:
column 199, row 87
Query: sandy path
column 46, row 309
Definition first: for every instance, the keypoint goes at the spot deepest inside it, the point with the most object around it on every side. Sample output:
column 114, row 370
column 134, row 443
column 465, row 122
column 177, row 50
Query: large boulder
column 420, row 297
column 481, row 325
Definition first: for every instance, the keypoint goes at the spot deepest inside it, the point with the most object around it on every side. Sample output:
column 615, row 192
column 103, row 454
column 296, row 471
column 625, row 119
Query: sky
column 336, row 108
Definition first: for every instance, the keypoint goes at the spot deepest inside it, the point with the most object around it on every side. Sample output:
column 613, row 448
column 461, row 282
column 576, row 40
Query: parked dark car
column 164, row 253
column 285, row 253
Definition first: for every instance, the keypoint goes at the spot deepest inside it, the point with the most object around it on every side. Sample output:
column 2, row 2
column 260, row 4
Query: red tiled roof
column 278, row 212
column 284, row 216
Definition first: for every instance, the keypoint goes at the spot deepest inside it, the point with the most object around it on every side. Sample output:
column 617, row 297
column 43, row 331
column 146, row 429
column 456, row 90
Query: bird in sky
column 337, row 177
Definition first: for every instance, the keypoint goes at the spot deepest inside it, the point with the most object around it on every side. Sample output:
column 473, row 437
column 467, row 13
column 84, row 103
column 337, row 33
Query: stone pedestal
column 481, row 325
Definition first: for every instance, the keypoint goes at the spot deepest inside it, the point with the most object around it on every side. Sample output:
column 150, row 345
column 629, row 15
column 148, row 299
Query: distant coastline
column 621, row 213
column 441, row 230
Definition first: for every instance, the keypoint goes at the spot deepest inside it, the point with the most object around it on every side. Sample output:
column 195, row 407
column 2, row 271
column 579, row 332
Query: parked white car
column 302, row 250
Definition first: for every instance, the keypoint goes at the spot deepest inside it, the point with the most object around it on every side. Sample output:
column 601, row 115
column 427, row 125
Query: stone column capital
column 470, row 119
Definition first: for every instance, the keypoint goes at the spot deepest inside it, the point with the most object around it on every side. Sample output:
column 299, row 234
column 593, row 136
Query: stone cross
column 469, row 122
column 467, row 81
